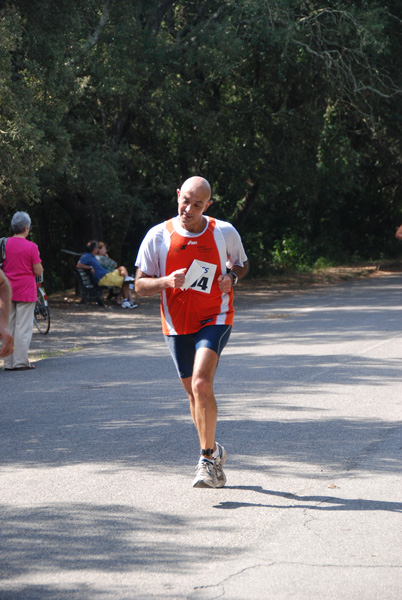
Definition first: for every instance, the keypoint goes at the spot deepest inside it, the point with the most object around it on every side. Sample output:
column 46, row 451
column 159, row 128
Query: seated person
column 108, row 263
column 101, row 277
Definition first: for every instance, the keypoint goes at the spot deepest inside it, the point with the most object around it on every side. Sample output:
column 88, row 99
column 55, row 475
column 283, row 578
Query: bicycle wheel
column 42, row 312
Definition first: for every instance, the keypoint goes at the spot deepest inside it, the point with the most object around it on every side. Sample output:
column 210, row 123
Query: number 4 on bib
column 200, row 276
column 201, row 283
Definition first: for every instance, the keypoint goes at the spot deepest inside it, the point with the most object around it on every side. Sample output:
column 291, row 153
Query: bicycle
column 42, row 311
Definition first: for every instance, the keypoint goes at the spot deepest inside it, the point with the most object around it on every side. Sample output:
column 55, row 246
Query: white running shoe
column 206, row 475
column 128, row 304
column 218, row 464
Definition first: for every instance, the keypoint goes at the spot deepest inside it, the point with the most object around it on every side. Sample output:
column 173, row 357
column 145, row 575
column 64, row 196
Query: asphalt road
column 98, row 454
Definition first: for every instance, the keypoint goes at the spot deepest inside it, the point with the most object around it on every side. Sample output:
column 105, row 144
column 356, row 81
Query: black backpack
column 3, row 241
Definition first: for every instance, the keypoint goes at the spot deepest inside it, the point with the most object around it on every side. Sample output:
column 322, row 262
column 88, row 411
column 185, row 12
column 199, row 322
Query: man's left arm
column 239, row 271
column 226, row 282
column 237, row 259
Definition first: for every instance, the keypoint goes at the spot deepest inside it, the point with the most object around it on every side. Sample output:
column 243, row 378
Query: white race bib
column 200, row 276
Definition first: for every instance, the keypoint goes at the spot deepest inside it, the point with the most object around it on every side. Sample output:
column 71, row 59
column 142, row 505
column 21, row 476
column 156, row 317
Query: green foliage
column 291, row 253
column 323, row 263
column 290, row 108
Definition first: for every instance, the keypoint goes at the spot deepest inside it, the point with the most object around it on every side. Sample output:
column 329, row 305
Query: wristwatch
column 235, row 277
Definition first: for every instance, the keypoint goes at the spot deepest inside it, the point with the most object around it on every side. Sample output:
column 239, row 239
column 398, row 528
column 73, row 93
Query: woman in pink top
column 22, row 264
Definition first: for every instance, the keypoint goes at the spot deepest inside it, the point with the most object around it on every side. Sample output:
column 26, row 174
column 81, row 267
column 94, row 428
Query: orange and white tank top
column 200, row 302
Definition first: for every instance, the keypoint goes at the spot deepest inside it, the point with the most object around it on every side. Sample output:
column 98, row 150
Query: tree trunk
column 247, row 205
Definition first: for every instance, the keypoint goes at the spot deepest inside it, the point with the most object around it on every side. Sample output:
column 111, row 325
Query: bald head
column 198, row 186
column 193, row 198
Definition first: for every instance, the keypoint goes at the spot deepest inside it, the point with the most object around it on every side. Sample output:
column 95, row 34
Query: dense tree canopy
column 290, row 108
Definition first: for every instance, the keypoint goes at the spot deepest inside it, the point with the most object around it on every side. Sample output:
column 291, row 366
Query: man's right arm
column 145, row 285
column 148, row 259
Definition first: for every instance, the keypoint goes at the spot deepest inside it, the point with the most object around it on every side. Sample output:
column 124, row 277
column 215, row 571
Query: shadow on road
column 320, row 502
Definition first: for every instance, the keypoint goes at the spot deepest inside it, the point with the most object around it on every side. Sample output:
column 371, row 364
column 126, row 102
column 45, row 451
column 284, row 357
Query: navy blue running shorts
column 183, row 347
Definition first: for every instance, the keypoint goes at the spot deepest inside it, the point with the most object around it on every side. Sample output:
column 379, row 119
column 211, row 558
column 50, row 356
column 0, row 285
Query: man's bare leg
column 199, row 389
column 204, row 412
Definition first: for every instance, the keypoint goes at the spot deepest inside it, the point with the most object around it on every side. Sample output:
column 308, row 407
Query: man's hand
column 225, row 283
column 145, row 285
column 176, row 279
column 7, row 346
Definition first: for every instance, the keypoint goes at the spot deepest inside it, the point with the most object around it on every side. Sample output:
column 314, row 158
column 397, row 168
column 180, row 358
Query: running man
column 194, row 261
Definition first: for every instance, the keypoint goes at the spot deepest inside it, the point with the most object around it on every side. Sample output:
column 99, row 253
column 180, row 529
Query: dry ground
column 76, row 326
